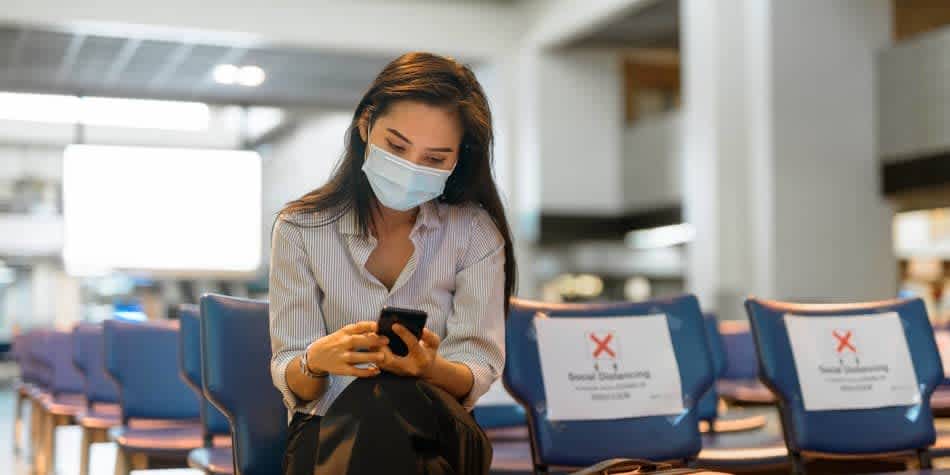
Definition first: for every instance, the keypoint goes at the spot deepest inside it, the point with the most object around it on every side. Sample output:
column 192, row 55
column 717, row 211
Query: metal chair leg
column 139, row 462
column 49, row 444
column 798, row 464
column 122, row 462
column 18, row 422
column 34, row 431
column 923, row 456
column 40, row 458
column 85, row 445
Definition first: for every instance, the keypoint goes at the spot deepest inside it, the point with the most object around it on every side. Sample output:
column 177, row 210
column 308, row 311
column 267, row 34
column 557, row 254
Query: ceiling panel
column 147, row 62
column 653, row 26
column 52, row 61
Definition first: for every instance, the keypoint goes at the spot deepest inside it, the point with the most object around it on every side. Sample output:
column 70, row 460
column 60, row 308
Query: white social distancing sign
column 608, row 368
column 853, row 362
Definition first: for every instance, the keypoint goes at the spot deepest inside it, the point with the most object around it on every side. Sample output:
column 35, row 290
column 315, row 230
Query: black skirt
column 388, row 424
column 302, row 436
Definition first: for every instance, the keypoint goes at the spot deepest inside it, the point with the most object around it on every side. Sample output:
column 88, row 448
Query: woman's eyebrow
column 397, row 134
column 439, row 149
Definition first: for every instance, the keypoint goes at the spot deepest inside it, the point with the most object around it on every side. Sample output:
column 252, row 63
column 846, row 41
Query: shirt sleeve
column 475, row 332
column 295, row 316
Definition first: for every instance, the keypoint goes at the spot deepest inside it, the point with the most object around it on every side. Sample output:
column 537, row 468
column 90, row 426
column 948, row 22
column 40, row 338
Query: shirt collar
column 430, row 217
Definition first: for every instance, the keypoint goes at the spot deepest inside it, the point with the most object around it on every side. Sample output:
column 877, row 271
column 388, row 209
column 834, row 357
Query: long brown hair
column 434, row 80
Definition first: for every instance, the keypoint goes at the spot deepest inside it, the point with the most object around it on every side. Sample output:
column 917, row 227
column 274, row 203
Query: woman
column 411, row 218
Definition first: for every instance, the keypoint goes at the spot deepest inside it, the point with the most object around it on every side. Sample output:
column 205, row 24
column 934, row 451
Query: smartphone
column 413, row 320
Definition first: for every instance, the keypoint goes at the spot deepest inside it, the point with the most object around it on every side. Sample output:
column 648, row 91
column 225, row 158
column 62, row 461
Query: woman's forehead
column 423, row 124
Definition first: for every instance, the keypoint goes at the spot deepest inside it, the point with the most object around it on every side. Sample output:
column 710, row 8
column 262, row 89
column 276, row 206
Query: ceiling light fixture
column 225, row 74
column 251, row 76
column 229, row 74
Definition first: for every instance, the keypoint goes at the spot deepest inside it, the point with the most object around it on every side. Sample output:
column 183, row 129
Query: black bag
column 392, row 424
column 635, row 466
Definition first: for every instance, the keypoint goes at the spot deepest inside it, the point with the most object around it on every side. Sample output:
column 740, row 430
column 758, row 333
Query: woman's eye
column 436, row 159
column 397, row 148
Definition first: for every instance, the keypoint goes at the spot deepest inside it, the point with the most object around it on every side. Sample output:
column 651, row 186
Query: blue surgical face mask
column 399, row 184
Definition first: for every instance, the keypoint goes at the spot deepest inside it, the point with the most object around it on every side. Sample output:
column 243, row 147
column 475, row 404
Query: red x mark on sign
column 844, row 341
column 603, row 345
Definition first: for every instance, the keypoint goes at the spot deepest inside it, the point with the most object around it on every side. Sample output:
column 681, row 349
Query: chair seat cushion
column 64, row 404
column 728, row 422
column 745, row 391
column 214, row 460
column 771, row 454
column 102, row 416
column 940, row 400
column 174, row 441
column 36, row 393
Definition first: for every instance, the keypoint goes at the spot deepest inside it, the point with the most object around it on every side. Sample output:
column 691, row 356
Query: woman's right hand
column 337, row 352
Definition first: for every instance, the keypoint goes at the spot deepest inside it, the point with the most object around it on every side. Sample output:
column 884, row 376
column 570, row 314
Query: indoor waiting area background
column 792, row 150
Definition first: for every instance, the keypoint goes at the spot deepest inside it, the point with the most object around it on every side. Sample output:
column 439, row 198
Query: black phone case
column 413, row 320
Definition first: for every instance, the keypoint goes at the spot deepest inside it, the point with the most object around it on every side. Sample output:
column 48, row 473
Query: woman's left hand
column 422, row 353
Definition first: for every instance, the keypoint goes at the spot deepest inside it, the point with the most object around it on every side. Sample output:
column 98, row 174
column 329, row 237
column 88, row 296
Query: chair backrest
column 212, row 419
column 707, row 409
column 58, row 355
column 89, row 358
column 739, row 348
column 236, row 352
column 22, row 354
column 582, row 443
column 16, row 347
column 39, row 363
column 864, row 431
column 142, row 358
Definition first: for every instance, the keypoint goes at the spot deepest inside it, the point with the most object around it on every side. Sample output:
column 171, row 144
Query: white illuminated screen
column 161, row 209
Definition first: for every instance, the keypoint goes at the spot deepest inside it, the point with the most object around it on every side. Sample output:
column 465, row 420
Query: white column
column 559, row 118
column 580, row 131
column 510, row 84
column 780, row 168
column 43, row 287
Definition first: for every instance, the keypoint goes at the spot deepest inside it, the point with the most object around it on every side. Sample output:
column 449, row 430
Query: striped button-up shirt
column 319, row 283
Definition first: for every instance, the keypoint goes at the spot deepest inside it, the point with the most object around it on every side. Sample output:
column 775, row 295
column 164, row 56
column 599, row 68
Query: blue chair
column 711, row 421
column 160, row 414
column 215, row 456
column 584, row 443
column 63, row 399
column 740, row 384
column 499, row 416
column 858, row 433
column 236, row 353
column 26, row 381
column 707, row 410
column 765, row 450
column 38, row 380
column 102, row 395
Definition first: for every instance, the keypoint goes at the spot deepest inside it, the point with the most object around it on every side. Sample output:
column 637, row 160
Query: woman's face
column 420, row 133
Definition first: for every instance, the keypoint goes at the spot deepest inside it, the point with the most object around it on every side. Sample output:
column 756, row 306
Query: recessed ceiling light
column 251, row 76
column 226, row 74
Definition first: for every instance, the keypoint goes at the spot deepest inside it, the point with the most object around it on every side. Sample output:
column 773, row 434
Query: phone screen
column 413, row 320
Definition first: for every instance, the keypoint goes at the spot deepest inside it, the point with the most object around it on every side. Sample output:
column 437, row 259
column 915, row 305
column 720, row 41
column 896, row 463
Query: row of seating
column 890, row 434
column 130, row 384
column 160, row 390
